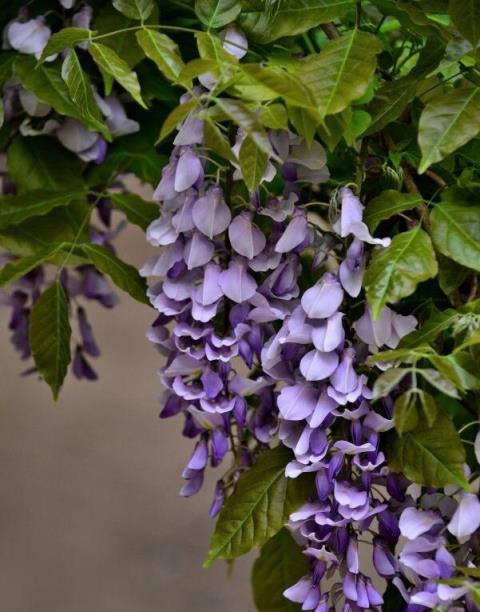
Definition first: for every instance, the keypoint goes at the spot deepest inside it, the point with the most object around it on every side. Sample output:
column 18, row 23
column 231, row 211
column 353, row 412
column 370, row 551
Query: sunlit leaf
column 266, row 21
column 162, row 50
column 253, row 163
column 135, row 9
column 395, row 272
column 456, row 233
column 217, row 13
column 109, row 62
column 388, row 204
column 448, row 122
column 341, row 72
column 68, row 37
column 80, row 89
column 432, row 456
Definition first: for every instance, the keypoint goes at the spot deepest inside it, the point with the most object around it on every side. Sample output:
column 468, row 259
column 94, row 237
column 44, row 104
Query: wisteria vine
column 292, row 135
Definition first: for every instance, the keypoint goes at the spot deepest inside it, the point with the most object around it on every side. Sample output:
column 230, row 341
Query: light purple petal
column 188, row 171
column 161, row 231
column 329, row 334
column 323, row 407
column 29, row 37
column 295, row 233
column 375, row 332
column 198, row 251
column 210, row 213
column 345, row 379
column 414, row 523
column 245, row 237
column 209, row 290
column 297, row 402
column 316, row 365
column 234, row 42
column 236, row 283
column 323, row 299
column 466, row 519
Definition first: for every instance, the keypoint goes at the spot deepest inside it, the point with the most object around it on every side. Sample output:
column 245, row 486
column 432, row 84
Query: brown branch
column 330, row 30
column 437, row 179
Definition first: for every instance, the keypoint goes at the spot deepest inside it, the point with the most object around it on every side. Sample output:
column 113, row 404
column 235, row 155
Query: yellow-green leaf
column 162, row 50
column 108, row 61
column 341, row 72
column 394, row 272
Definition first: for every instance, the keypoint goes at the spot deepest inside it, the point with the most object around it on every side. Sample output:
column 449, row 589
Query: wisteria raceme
column 229, row 294
column 272, row 319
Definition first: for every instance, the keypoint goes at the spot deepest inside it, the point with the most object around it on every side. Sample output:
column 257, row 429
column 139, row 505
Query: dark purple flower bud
column 81, row 368
column 240, row 411
column 219, row 443
column 88, row 341
column 194, row 483
column 323, row 485
column 172, row 407
column 199, row 457
column 218, row 500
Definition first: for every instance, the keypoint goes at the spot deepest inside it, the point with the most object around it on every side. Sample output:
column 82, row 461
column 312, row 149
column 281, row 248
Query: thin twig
column 330, row 30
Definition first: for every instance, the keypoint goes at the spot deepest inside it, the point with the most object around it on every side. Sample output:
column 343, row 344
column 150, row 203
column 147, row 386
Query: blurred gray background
column 90, row 517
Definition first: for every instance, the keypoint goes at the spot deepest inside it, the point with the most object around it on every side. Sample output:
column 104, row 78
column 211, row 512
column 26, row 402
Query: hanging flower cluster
column 30, row 36
column 250, row 356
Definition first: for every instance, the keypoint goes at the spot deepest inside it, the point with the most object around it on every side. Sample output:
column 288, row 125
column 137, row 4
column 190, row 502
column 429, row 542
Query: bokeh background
column 90, row 517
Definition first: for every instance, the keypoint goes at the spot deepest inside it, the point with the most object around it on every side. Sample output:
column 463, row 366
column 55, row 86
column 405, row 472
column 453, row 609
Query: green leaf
column 281, row 84
column 217, row 13
column 124, row 275
column 217, row 141
column 280, row 565
column 134, row 9
column 266, row 21
column 450, row 275
column 68, row 37
column 431, row 329
column 431, row 456
column 405, row 412
column 341, row 72
column 162, row 50
column 124, row 43
column 247, row 121
column 49, row 336
column 253, row 163
column 47, row 85
column 41, row 162
column 448, row 122
column 456, row 233
column 466, row 18
column 37, row 234
column 439, row 382
column 389, row 102
column 395, row 272
column 137, row 210
column 108, row 61
column 19, row 267
column 178, row 114
column 273, row 116
column 460, row 368
column 387, row 381
column 259, row 506
column 388, row 204
column 430, row 409
column 16, row 208
column 80, row 89
column 304, row 121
